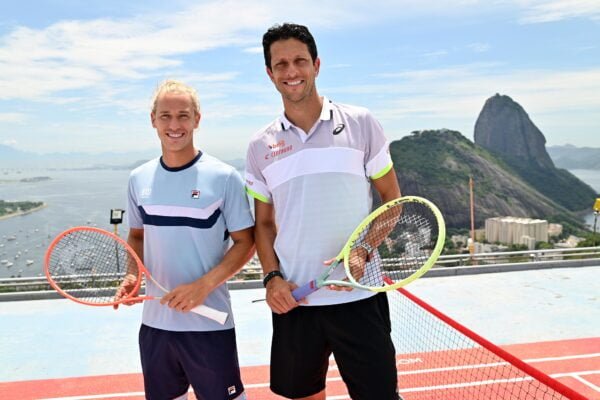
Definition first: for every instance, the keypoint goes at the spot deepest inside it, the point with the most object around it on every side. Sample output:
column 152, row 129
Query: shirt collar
column 326, row 115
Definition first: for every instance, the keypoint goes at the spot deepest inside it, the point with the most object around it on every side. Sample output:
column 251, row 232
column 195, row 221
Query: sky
column 78, row 76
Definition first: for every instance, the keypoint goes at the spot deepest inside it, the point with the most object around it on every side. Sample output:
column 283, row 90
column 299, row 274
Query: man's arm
column 279, row 291
column 187, row 296
column 388, row 189
column 136, row 240
column 387, row 186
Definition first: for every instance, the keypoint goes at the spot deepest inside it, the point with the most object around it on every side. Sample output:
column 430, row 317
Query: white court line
column 340, row 397
column 575, row 375
column 574, row 357
column 96, row 396
column 499, row 364
column 586, row 382
column 488, row 365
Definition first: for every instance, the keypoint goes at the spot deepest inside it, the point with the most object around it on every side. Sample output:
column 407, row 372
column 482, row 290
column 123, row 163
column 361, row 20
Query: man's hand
column 125, row 289
column 187, row 296
column 279, row 295
column 358, row 262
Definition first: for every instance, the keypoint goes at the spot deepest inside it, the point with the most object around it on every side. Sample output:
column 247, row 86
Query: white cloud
column 12, row 117
column 453, row 97
column 253, row 50
column 73, row 55
column 537, row 11
column 86, row 54
column 479, row 47
column 435, row 54
column 10, row 142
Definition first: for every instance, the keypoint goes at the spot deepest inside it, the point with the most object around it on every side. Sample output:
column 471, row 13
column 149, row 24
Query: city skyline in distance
column 79, row 77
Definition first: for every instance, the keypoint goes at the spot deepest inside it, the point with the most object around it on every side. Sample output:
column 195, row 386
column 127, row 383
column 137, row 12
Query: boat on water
column 9, row 264
column 13, row 237
column 3, row 262
column 29, row 262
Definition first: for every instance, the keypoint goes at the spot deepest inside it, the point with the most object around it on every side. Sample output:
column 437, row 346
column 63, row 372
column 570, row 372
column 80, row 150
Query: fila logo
column 195, row 194
column 231, row 390
column 339, row 128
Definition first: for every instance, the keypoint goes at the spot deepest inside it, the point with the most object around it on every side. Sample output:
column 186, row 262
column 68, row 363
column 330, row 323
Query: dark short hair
column 288, row 31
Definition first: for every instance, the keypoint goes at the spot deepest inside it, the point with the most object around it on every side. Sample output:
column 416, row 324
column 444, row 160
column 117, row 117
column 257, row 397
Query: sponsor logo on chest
column 277, row 149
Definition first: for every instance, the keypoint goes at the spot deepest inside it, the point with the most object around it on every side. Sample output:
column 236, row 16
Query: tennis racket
column 394, row 245
column 90, row 265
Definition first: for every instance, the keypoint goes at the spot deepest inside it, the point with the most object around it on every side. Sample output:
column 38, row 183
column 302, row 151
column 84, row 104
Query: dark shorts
column 172, row 361
column 358, row 335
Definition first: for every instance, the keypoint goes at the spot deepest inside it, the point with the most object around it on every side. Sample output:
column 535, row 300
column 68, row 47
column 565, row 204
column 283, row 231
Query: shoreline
column 19, row 213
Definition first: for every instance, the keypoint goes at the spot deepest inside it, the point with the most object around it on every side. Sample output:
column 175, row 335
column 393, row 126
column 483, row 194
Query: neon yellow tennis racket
column 399, row 242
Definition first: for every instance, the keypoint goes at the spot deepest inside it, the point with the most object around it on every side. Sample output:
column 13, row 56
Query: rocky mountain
column 436, row 164
column 571, row 157
column 504, row 128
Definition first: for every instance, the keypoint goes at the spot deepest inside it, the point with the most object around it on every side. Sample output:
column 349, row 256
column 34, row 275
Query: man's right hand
column 126, row 289
column 279, row 295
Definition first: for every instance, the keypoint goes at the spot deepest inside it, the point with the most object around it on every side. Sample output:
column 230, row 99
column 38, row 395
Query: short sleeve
column 256, row 184
column 378, row 161
column 133, row 216
column 236, row 209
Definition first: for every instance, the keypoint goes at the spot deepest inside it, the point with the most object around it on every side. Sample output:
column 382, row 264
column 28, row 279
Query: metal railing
column 566, row 254
column 460, row 264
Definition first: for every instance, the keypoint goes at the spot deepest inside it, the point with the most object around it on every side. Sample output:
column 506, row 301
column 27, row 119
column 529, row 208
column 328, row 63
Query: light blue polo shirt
column 319, row 185
column 187, row 214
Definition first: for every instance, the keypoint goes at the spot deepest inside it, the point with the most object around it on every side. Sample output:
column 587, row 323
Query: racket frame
column 209, row 312
column 132, row 253
column 344, row 255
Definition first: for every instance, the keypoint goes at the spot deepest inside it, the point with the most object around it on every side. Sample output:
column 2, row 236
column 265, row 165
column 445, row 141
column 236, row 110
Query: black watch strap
column 271, row 275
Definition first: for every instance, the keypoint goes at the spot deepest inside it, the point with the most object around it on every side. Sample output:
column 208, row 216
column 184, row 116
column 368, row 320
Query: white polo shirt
column 318, row 183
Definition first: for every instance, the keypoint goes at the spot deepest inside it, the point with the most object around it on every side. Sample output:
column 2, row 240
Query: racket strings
column 90, row 266
column 403, row 238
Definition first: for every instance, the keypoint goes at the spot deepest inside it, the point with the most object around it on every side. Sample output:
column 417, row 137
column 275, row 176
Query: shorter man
column 183, row 209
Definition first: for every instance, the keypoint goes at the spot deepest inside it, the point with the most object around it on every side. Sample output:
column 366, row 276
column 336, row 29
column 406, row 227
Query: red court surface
column 575, row 363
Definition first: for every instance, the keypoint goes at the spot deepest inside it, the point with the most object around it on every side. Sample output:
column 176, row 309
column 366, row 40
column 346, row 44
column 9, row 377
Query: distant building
column 554, row 230
column 514, row 230
column 570, row 242
column 488, row 248
column 529, row 242
column 479, row 234
column 459, row 240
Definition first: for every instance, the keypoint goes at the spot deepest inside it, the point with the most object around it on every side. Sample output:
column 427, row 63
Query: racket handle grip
column 208, row 312
column 303, row 291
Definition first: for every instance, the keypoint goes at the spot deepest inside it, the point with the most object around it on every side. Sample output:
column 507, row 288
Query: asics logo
column 338, row 129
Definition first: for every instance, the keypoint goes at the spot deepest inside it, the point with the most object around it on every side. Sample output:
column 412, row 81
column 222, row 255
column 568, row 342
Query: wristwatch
column 271, row 275
column 368, row 248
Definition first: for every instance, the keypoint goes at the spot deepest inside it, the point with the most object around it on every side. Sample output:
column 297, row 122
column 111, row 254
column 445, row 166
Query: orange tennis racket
column 94, row 267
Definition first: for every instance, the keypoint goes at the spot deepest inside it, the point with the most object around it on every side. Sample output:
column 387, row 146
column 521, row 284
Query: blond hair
column 174, row 86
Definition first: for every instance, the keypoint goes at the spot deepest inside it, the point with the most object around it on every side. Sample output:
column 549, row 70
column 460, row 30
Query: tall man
column 183, row 209
column 310, row 172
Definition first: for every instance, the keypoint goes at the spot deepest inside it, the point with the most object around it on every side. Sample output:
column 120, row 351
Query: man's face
column 175, row 120
column 292, row 70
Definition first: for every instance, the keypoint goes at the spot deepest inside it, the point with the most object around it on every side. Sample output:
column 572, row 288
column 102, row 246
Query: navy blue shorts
column 358, row 335
column 172, row 361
